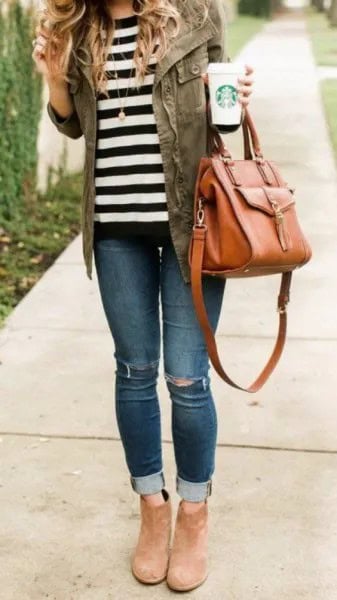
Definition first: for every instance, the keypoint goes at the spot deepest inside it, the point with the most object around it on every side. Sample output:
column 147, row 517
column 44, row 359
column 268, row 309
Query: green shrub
column 20, row 110
column 256, row 8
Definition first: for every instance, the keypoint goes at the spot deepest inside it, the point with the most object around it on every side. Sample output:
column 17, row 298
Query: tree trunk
column 319, row 4
column 333, row 13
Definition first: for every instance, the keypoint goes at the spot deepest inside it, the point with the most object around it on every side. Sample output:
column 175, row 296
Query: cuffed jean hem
column 149, row 484
column 191, row 491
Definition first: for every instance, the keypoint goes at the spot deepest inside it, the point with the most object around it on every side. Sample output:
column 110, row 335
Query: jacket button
column 195, row 69
column 168, row 89
column 180, row 179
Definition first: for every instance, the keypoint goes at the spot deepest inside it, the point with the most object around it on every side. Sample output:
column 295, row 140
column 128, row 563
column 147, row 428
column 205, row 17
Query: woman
column 130, row 76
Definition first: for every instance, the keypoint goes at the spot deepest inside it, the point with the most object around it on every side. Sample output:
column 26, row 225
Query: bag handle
column 216, row 145
column 198, row 241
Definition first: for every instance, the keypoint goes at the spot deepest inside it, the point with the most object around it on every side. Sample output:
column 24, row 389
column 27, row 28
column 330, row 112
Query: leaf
column 36, row 260
column 27, row 282
column 5, row 239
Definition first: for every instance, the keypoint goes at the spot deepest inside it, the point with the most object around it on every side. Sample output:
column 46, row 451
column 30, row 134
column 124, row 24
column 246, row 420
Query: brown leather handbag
column 245, row 225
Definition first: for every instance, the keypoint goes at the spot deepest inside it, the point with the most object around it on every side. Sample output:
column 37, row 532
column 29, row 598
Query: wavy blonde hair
column 69, row 22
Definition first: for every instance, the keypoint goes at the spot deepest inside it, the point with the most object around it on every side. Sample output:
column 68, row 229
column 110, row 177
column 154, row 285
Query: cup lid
column 225, row 67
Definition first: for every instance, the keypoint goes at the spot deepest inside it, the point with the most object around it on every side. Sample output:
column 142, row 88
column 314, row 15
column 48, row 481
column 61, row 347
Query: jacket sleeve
column 217, row 47
column 69, row 126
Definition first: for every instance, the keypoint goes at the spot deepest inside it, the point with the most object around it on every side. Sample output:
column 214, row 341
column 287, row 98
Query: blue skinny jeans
column 133, row 273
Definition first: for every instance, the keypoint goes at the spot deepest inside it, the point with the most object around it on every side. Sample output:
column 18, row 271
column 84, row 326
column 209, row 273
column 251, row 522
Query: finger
column 37, row 54
column 244, row 90
column 205, row 77
column 246, row 80
column 249, row 69
column 244, row 101
column 41, row 40
column 39, row 48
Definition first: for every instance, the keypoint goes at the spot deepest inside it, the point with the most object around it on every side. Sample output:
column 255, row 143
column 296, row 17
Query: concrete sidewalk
column 69, row 517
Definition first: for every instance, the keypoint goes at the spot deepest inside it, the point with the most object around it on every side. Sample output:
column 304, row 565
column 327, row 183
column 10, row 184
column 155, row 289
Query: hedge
column 20, row 110
column 256, row 8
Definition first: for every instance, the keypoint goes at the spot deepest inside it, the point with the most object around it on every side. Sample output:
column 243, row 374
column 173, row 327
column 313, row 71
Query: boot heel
column 149, row 561
column 188, row 566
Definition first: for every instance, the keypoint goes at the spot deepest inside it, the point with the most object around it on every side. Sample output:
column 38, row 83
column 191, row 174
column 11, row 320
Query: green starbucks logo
column 226, row 96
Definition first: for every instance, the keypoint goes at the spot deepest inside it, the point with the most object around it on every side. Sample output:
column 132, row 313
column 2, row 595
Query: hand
column 244, row 87
column 42, row 36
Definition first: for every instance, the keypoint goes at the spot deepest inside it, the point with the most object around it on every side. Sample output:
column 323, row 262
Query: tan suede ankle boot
column 149, row 560
column 188, row 559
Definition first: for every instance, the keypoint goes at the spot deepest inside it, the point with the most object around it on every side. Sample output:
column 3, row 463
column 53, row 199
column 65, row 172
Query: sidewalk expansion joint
column 103, row 438
column 218, row 335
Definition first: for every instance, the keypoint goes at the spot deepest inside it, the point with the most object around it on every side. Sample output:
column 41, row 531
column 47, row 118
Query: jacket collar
column 190, row 36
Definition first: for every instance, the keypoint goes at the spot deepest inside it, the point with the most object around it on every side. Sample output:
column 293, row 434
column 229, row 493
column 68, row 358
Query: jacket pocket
column 191, row 93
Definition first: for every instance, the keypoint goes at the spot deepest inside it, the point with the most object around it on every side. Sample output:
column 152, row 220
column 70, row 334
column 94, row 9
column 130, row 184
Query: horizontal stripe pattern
column 145, row 230
column 134, row 216
column 129, row 176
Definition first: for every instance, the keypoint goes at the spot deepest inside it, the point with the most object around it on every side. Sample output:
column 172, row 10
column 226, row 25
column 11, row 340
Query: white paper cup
column 223, row 80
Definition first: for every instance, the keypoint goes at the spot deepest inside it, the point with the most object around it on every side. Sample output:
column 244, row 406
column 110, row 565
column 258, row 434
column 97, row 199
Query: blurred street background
column 68, row 517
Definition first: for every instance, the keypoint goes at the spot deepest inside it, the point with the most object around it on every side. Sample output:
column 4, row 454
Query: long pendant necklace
column 121, row 114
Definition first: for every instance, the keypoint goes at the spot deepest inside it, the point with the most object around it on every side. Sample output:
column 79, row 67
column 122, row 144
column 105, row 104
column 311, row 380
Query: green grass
column 329, row 93
column 324, row 45
column 323, row 37
column 31, row 243
column 240, row 31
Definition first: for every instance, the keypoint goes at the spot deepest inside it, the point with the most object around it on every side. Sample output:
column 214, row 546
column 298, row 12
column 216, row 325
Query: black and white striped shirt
column 129, row 179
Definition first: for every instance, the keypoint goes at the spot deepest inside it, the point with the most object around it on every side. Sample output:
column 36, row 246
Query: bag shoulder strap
column 199, row 233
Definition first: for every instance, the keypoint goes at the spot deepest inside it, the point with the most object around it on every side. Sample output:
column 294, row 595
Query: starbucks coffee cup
column 223, row 81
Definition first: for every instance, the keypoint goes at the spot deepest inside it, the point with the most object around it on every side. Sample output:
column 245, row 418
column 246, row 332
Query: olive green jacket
column 179, row 105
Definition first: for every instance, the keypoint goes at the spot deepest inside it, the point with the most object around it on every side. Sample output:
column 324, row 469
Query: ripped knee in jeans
column 180, row 381
column 185, row 381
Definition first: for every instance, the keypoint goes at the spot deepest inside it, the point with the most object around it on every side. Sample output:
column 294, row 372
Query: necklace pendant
column 121, row 115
